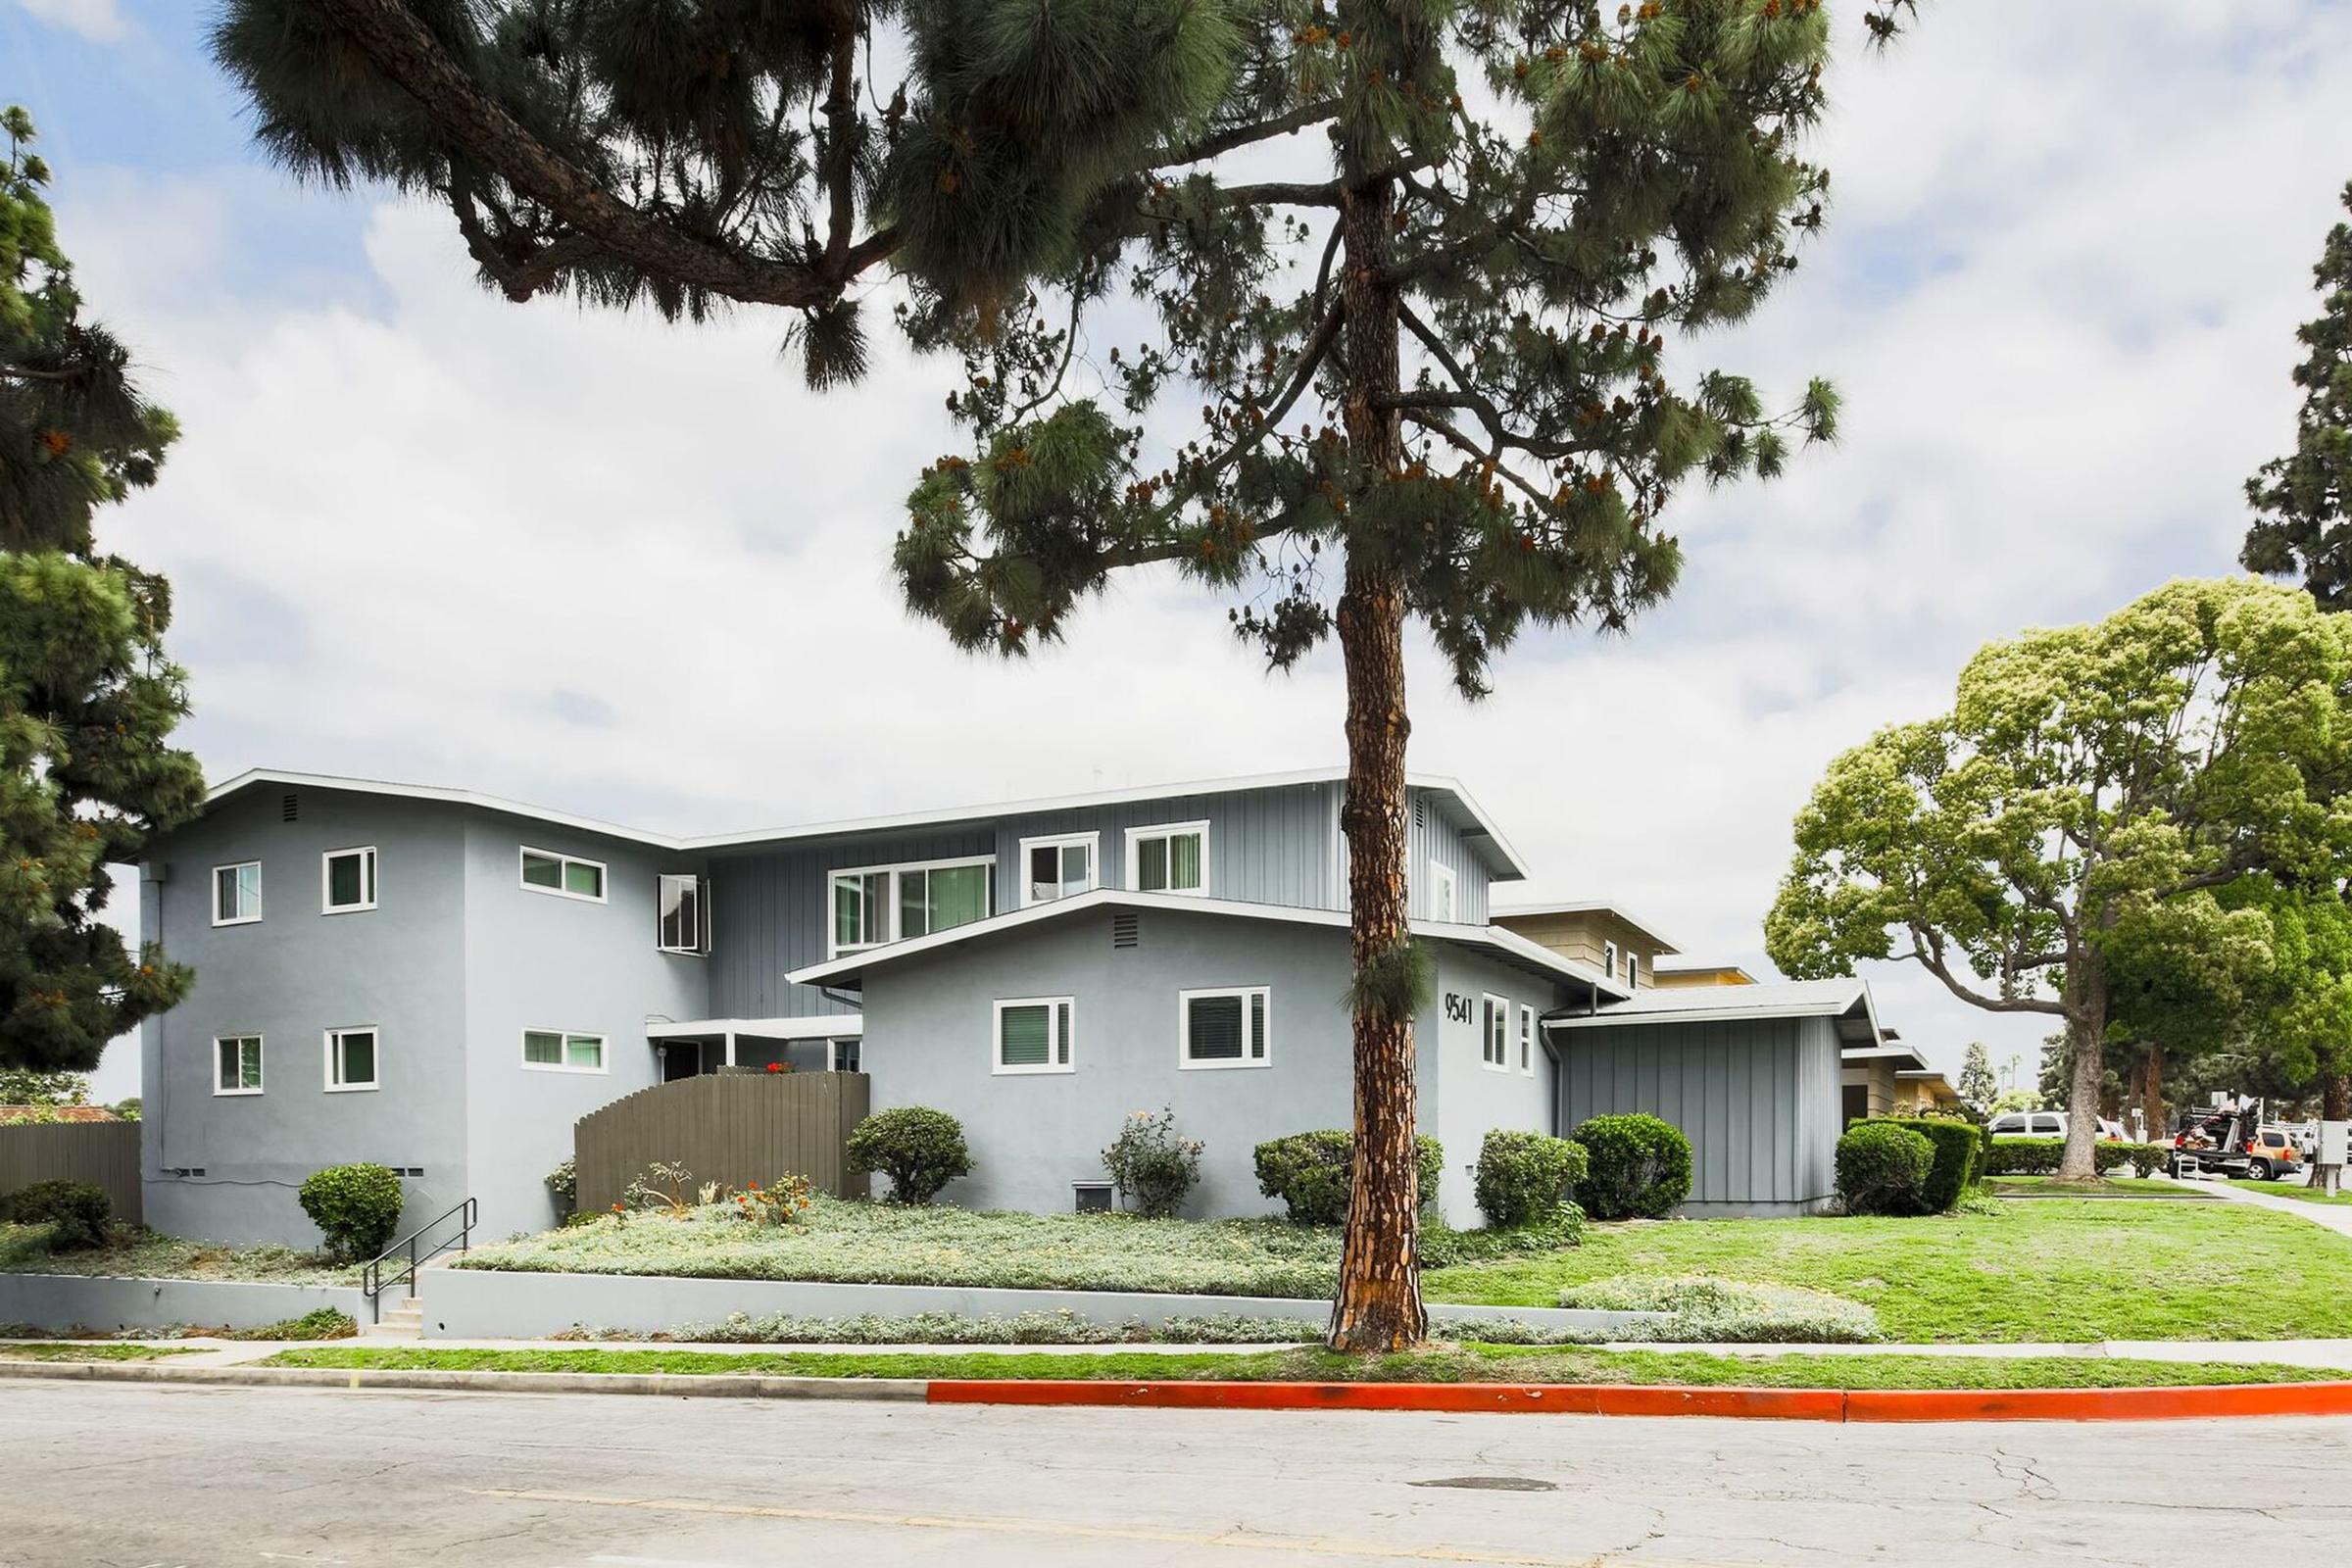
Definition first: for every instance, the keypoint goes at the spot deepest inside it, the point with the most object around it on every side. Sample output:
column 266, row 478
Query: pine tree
column 1428, row 271
column 87, row 699
column 2303, row 502
column 1977, row 1085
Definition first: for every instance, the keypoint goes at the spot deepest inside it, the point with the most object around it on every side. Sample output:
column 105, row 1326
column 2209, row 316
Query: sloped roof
column 1506, row 912
column 1842, row 998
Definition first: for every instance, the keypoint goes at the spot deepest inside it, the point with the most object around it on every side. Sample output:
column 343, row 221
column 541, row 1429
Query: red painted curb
column 1604, row 1399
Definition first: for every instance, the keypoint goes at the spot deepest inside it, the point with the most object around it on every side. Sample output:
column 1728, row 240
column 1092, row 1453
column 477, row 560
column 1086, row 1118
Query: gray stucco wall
column 1468, row 1097
column 537, row 961
column 1757, row 1098
column 290, row 977
column 60, row 1303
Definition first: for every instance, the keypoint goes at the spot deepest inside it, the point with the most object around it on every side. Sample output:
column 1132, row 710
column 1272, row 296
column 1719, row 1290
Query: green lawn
column 2295, row 1189
column 89, row 1351
column 2105, row 1187
column 148, row 1255
column 1462, row 1364
column 2038, row 1271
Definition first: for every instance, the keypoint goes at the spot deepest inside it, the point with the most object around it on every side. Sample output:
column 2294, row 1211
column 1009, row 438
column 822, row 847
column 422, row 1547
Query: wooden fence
column 729, row 1127
column 106, row 1153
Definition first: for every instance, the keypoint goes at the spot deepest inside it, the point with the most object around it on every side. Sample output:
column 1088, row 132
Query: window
column 237, row 893
column 237, row 1064
column 878, row 904
column 564, row 875
column 847, row 1052
column 1172, row 859
column 1527, row 1041
column 1223, row 1028
column 1632, row 971
column 1608, row 959
column 351, row 1060
column 2008, row 1124
column 554, row 1050
column 2049, row 1125
column 1032, row 1035
column 683, row 925
column 1442, row 901
column 346, row 881
column 1494, row 1032
column 1059, row 868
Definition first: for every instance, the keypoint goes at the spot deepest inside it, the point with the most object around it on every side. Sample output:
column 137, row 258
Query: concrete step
column 402, row 1319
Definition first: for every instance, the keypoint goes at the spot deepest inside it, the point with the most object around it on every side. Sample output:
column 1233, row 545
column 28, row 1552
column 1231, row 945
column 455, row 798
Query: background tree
column 1423, row 268
column 87, row 699
column 22, row 1086
column 1978, row 1087
column 2089, row 791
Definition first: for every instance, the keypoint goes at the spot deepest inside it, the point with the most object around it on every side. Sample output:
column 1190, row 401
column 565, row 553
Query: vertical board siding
column 730, row 1128
column 105, row 1154
column 1755, row 1099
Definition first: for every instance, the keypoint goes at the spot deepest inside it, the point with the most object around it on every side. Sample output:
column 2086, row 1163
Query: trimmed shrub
column 1311, row 1172
column 1152, row 1166
column 356, row 1208
column 2146, row 1159
column 1524, row 1177
column 1882, row 1169
column 1958, row 1153
column 1635, row 1166
column 76, row 1212
column 563, row 1185
column 920, row 1151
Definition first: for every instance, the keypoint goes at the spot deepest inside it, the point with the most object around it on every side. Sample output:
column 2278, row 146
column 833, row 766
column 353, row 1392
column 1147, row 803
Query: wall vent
column 1420, row 810
column 1125, row 929
column 1091, row 1197
column 289, row 808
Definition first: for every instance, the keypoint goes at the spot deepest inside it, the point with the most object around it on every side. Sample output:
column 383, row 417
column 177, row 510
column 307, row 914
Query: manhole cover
column 1490, row 1484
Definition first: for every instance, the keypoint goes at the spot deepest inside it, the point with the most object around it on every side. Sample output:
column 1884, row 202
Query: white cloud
column 635, row 570
column 99, row 20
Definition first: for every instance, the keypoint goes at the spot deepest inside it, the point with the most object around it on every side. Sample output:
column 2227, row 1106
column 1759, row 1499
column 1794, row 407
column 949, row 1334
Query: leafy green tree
column 2303, row 501
column 87, row 697
column 20, row 1086
column 1978, row 1087
column 1427, row 273
column 2091, row 790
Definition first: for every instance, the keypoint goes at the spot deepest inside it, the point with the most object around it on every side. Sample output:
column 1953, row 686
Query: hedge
column 1959, row 1150
column 1636, row 1166
column 1883, row 1168
column 1311, row 1172
column 2038, row 1156
column 78, row 1212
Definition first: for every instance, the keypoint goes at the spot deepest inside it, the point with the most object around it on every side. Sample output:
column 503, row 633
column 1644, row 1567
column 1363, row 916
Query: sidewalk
column 2337, row 1217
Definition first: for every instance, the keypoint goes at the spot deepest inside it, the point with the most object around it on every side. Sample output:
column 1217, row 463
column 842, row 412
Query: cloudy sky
column 600, row 563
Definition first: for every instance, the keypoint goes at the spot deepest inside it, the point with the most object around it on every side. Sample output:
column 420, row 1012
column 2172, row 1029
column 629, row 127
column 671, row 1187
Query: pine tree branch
column 400, row 46
column 1225, row 141
column 1438, row 425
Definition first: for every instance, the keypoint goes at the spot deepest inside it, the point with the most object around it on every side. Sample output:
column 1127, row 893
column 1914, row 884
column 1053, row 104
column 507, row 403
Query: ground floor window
column 1494, row 1042
column 1032, row 1035
column 555, row 1050
column 847, row 1055
column 351, row 1059
column 1527, row 1041
column 237, row 1064
column 1224, row 1028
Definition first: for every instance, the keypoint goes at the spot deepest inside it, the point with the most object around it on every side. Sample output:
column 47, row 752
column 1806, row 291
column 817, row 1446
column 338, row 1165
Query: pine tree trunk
column 1379, row 1305
column 2087, row 1033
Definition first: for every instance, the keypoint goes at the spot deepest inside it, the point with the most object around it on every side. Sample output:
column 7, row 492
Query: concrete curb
column 1567, row 1399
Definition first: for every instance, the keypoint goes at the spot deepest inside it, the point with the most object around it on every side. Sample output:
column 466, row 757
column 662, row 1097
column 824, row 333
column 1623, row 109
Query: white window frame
column 1160, row 830
column 1442, row 879
column 702, row 912
column 1527, row 1040
column 374, row 1084
column 563, row 865
column 241, row 919
column 833, row 946
column 1608, row 959
column 368, row 869
column 1264, row 1041
column 1495, row 1011
column 1059, row 842
column 260, row 1066
column 1632, row 971
column 1059, row 1041
column 565, row 1038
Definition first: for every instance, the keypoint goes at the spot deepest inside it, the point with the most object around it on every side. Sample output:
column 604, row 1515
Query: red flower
column 775, row 1067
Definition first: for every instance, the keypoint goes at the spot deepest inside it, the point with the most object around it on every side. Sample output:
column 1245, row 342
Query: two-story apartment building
column 445, row 982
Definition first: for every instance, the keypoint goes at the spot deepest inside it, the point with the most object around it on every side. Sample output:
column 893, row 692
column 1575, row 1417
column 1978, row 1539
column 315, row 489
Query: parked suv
column 2047, row 1124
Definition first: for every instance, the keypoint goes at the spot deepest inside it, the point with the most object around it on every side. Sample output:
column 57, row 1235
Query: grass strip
column 1450, row 1364
column 91, row 1350
column 2294, row 1189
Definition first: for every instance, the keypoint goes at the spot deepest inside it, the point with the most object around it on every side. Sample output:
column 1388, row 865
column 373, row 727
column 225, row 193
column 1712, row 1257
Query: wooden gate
column 734, row 1128
column 104, row 1153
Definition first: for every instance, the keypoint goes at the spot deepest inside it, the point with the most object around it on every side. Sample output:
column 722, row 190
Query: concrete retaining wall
column 488, row 1303
column 105, row 1304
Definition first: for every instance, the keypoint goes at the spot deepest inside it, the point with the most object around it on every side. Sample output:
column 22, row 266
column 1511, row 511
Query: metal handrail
column 372, row 1280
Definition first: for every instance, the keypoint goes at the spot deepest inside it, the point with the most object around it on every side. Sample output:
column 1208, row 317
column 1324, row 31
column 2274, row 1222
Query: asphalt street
column 148, row 1476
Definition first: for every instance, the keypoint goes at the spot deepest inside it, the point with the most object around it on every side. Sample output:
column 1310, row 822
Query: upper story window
column 346, row 881
column 1059, row 868
column 1608, row 959
column 1223, row 1028
column 1495, row 1035
column 874, row 905
column 237, row 893
column 1444, row 895
column 1169, row 858
column 1032, row 1035
column 1632, row 971
column 566, row 876
column 684, row 905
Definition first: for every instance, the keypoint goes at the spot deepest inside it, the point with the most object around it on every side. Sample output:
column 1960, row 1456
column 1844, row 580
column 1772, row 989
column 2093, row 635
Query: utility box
column 2334, row 1136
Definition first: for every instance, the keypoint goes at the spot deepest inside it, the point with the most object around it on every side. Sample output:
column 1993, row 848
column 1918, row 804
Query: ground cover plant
column 1466, row 1363
column 90, row 1350
column 146, row 1254
column 2052, row 1269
